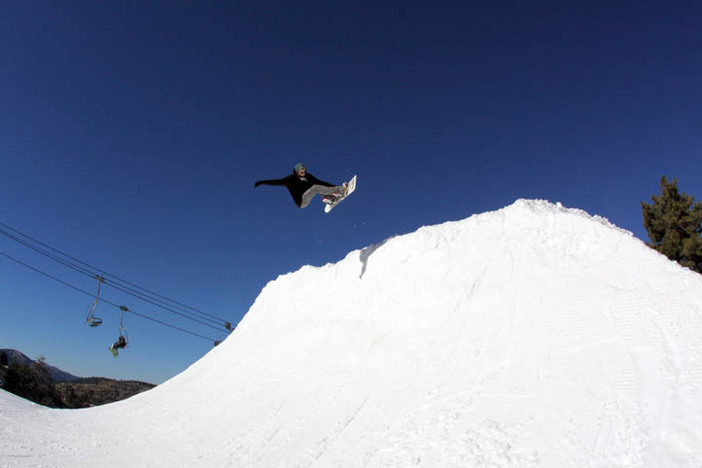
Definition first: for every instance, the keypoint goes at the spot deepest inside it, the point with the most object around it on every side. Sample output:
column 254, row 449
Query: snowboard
column 349, row 190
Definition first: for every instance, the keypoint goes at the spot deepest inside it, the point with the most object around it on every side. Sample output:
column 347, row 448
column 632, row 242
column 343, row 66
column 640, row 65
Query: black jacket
column 296, row 185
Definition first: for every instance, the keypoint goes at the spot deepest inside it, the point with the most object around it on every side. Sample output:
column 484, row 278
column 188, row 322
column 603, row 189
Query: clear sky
column 131, row 136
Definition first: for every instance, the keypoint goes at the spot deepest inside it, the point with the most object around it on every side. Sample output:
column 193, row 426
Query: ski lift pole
column 91, row 319
column 122, row 330
column 122, row 341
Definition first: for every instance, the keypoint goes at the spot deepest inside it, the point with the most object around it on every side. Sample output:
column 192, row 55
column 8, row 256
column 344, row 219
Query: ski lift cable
column 90, row 273
column 157, row 304
column 88, row 293
column 124, row 289
column 68, row 264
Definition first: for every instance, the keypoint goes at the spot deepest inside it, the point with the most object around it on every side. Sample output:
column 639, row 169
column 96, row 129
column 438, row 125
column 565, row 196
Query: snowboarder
column 303, row 186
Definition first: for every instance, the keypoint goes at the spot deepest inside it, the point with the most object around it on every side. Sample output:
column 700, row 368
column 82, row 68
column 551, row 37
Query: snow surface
column 530, row 336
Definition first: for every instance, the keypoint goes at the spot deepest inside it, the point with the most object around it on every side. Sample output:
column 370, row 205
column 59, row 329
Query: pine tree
column 33, row 382
column 674, row 225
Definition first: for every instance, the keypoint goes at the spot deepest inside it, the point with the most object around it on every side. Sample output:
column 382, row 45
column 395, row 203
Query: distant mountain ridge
column 57, row 375
column 70, row 391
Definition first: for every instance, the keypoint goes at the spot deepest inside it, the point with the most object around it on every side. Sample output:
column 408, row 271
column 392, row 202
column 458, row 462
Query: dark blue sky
column 131, row 135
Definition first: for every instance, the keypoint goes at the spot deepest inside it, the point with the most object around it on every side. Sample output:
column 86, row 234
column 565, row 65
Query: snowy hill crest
column 530, row 336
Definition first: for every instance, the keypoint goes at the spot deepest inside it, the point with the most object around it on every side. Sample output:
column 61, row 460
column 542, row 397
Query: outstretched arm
column 282, row 181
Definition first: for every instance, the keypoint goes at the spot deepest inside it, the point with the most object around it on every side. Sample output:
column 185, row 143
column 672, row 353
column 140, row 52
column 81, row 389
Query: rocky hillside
column 95, row 391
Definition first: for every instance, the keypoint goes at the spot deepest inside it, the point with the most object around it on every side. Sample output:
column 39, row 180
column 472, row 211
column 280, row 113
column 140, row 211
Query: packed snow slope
column 531, row 336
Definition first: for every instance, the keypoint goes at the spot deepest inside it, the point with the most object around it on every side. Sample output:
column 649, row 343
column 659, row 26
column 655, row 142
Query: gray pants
column 318, row 189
